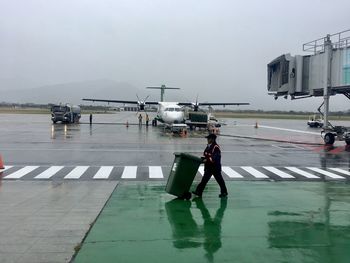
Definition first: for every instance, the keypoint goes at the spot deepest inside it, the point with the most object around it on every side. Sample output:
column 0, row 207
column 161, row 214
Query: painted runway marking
column 289, row 130
column 230, row 172
column 49, row 172
column 326, row 173
column 155, row 172
column 337, row 150
column 22, row 172
column 77, row 172
column 201, row 170
column 6, row 168
column 129, row 172
column 303, row 173
column 254, row 172
column 340, row 171
column 278, row 172
column 103, row 172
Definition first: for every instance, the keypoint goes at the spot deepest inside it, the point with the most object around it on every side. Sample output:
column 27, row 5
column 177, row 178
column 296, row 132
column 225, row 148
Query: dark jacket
column 212, row 154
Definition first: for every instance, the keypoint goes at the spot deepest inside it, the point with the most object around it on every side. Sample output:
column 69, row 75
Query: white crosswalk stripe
column 129, row 172
column 6, row 168
column 77, row 172
column 326, row 173
column 22, row 172
column 340, row 171
column 230, row 172
column 48, row 173
column 201, row 170
column 303, row 173
column 103, row 172
column 254, row 172
column 278, row 172
column 156, row 172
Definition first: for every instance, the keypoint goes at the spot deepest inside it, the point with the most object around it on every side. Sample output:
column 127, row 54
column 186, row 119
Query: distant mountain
column 74, row 92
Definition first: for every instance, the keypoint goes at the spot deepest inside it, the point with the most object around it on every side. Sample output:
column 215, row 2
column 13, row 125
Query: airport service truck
column 66, row 113
column 201, row 120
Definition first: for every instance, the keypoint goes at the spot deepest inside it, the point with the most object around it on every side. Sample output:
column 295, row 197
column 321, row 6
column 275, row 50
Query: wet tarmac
column 33, row 140
column 275, row 169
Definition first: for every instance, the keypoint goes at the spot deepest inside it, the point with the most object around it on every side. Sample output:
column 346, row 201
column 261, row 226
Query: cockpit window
column 172, row 109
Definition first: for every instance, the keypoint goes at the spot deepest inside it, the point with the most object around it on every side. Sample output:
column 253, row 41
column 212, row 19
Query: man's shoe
column 197, row 194
column 222, row 195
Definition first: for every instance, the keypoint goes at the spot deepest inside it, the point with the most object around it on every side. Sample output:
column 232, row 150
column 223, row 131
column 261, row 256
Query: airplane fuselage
column 170, row 112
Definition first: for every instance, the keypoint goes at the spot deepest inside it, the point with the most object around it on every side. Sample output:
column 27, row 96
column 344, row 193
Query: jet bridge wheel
column 329, row 138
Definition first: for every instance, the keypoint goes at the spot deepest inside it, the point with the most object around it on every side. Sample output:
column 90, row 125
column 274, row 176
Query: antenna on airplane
column 162, row 88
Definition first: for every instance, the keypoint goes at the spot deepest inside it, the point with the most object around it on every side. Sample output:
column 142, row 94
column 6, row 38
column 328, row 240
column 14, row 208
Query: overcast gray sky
column 217, row 49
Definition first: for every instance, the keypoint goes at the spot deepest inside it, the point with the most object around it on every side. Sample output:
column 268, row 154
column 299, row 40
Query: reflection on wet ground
column 258, row 222
column 65, row 131
column 187, row 233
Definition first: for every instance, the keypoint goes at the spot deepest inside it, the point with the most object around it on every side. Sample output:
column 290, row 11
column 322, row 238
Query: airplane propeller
column 141, row 103
column 196, row 104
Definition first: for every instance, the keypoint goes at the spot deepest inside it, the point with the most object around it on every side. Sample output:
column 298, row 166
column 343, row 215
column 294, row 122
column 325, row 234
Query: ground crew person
column 212, row 166
column 90, row 118
column 147, row 119
column 140, row 119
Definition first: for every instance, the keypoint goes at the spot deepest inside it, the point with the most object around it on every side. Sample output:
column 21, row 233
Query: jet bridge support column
column 327, row 76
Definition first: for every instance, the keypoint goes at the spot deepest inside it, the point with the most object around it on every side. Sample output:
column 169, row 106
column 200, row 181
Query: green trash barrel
column 182, row 174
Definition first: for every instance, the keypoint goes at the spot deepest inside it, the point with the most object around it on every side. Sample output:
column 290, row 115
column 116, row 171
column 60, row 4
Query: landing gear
column 329, row 138
column 339, row 133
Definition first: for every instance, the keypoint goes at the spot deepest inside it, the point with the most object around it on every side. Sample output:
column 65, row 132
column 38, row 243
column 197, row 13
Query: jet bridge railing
column 339, row 40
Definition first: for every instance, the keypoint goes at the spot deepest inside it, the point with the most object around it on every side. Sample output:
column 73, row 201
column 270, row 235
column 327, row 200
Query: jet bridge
column 325, row 72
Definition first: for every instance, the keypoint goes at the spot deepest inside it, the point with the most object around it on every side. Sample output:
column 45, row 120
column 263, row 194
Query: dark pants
column 208, row 172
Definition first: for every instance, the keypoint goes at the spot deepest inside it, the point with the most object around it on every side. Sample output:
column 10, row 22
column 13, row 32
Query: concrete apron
column 46, row 221
column 258, row 222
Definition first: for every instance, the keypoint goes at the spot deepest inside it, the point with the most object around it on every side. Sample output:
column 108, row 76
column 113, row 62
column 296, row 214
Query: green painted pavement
column 259, row 222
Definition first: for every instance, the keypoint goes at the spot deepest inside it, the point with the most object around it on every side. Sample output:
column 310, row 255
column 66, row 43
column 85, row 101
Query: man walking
column 212, row 166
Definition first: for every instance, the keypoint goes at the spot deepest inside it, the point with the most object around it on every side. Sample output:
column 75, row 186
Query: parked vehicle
column 66, row 113
column 315, row 121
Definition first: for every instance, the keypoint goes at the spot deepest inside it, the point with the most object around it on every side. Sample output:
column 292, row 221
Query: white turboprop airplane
column 168, row 112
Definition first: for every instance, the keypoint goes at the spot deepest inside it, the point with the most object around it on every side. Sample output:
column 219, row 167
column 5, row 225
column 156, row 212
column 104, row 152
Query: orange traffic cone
column 1, row 163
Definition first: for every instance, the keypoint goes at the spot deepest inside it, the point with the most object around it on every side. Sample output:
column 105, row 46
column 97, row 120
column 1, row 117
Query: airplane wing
column 197, row 104
column 213, row 103
column 222, row 103
column 123, row 101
